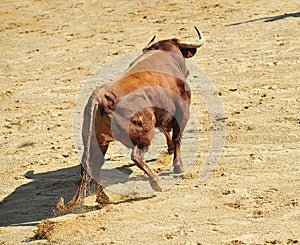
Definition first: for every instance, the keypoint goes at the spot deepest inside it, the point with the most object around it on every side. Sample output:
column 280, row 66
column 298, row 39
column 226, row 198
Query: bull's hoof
column 155, row 186
column 102, row 204
column 74, row 203
column 61, row 205
column 178, row 169
column 102, row 199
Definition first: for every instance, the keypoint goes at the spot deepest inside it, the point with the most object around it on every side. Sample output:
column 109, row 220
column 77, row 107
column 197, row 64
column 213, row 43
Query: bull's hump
column 158, row 61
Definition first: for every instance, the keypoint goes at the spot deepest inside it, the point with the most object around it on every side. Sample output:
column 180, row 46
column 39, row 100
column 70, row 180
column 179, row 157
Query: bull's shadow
column 35, row 201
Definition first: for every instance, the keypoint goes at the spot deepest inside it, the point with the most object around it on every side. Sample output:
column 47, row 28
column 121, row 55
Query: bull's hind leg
column 138, row 157
column 80, row 193
column 101, row 198
column 84, row 184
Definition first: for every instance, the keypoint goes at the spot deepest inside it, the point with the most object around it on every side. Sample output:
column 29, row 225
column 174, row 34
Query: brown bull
column 152, row 93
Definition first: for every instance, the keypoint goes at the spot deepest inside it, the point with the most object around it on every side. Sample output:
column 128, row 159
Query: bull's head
column 188, row 49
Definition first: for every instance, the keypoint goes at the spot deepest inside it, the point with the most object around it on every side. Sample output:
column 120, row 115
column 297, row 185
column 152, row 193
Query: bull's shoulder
column 183, row 89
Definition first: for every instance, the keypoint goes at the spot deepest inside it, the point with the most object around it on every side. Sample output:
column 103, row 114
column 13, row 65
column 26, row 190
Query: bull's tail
column 91, row 155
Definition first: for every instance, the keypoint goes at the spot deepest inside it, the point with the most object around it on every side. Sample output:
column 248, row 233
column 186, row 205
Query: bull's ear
column 189, row 49
column 188, row 52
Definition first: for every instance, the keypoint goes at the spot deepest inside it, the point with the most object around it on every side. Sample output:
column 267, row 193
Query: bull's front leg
column 169, row 140
column 138, row 157
column 176, row 138
column 167, row 133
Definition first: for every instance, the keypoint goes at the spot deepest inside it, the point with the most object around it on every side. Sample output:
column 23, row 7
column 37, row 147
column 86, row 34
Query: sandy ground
column 252, row 56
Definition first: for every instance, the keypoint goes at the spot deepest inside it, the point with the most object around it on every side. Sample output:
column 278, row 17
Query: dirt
column 252, row 56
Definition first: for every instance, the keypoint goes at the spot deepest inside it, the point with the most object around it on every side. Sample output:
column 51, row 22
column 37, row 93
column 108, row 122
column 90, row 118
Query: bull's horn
column 196, row 44
column 151, row 41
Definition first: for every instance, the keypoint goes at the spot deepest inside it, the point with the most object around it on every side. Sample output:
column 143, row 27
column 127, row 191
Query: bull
column 152, row 93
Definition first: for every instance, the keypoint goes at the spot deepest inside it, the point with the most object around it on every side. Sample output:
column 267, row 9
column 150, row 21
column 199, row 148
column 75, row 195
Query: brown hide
column 151, row 93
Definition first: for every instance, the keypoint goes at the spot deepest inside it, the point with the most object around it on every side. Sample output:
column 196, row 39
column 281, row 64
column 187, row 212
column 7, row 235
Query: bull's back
column 131, row 82
column 158, row 61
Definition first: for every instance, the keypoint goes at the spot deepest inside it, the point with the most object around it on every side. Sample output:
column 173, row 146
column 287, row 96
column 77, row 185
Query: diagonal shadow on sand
column 35, row 201
column 269, row 19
